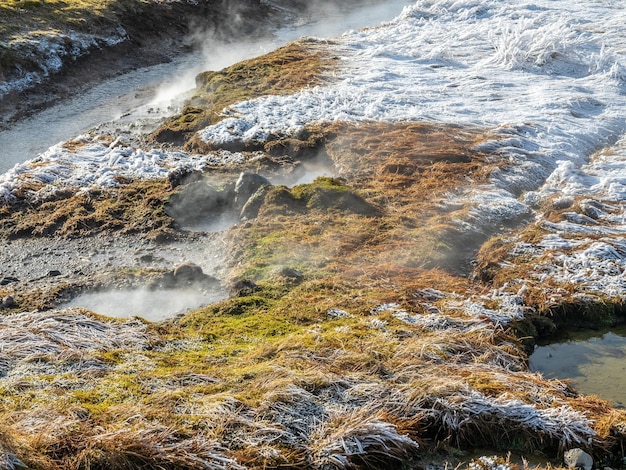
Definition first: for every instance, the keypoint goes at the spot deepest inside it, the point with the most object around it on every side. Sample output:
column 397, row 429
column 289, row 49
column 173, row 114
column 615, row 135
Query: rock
column 184, row 275
column 146, row 258
column 8, row 280
column 54, row 273
column 242, row 288
column 182, row 175
column 197, row 201
column 188, row 271
column 251, row 208
column 289, row 273
column 578, row 458
column 7, row 302
column 246, row 186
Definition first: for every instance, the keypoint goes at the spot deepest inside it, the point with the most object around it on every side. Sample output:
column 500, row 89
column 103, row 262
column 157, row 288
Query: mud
column 45, row 272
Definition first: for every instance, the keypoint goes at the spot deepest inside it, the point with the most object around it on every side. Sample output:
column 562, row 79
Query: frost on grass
column 467, row 411
column 578, row 238
column 90, row 161
column 59, row 341
column 50, row 51
column 353, row 438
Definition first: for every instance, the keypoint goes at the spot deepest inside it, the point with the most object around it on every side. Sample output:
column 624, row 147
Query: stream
column 154, row 92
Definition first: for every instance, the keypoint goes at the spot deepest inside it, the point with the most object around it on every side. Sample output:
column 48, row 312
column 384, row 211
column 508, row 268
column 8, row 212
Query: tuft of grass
column 134, row 207
column 290, row 68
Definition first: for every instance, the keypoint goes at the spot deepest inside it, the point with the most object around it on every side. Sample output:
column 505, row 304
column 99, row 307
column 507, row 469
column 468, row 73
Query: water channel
column 143, row 92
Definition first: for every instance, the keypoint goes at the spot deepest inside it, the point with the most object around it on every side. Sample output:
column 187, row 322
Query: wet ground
column 103, row 262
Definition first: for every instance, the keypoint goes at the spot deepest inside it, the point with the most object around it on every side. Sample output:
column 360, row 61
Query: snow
column 50, row 50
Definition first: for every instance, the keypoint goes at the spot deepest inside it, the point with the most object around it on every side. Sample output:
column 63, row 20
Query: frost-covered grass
column 456, row 121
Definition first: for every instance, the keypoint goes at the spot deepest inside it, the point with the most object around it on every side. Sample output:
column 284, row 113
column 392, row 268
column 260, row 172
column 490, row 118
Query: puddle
column 152, row 305
column 594, row 361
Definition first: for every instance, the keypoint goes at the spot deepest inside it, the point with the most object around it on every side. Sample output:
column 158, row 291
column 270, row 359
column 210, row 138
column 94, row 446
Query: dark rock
column 183, row 175
column 188, row 271
column 8, row 280
column 54, row 273
column 289, row 273
column 7, row 302
column 146, row 258
column 251, row 208
column 246, row 186
column 185, row 274
column 242, row 288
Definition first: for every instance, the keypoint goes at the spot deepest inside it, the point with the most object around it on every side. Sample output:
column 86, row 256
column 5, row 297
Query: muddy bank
column 141, row 36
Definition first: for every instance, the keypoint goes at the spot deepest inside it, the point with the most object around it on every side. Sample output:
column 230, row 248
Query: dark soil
column 155, row 35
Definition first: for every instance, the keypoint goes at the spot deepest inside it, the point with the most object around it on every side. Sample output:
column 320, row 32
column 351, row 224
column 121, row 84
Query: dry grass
column 135, row 207
column 290, row 68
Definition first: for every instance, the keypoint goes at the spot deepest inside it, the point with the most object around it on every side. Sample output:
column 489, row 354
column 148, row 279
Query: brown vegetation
column 292, row 67
column 134, row 207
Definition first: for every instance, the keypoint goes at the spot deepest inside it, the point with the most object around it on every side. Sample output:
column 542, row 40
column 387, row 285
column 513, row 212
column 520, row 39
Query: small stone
column 7, row 302
column 578, row 458
column 147, row 258
column 289, row 273
column 188, row 270
column 242, row 287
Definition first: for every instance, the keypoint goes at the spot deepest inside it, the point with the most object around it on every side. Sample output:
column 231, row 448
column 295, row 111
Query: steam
column 203, row 205
column 152, row 305
column 235, row 41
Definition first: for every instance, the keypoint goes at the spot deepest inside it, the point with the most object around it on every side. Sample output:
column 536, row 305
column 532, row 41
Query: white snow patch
column 91, row 162
column 50, row 50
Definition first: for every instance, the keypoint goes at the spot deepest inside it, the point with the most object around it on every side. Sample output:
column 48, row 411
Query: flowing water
column 594, row 362
column 143, row 92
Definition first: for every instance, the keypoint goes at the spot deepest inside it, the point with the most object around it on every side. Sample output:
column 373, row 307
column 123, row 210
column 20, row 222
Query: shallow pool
column 593, row 360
